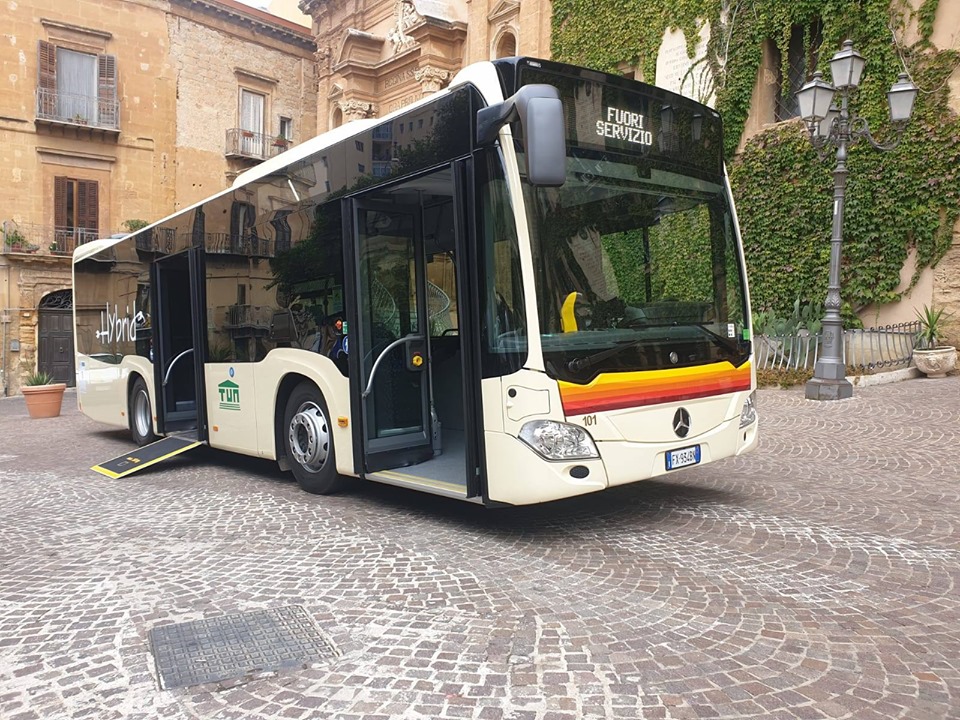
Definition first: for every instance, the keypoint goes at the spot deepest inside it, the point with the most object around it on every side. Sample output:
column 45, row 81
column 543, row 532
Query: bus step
column 148, row 455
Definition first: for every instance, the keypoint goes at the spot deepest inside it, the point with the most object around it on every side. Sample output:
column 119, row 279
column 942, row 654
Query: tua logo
column 229, row 395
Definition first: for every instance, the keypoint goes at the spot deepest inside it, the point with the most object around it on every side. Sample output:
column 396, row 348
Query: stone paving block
column 813, row 578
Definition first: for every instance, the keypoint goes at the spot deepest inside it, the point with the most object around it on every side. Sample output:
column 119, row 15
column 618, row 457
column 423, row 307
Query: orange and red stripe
column 614, row 391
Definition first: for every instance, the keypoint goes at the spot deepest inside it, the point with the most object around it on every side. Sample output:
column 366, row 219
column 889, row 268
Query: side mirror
column 540, row 112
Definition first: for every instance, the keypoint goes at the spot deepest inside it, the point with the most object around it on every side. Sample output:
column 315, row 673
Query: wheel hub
column 309, row 437
column 141, row 413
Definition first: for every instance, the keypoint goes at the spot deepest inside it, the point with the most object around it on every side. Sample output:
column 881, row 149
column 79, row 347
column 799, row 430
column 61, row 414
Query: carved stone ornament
column 936, row 362
column 322, row 56
column 405, row 17
column 431, row 78
column 356, row 109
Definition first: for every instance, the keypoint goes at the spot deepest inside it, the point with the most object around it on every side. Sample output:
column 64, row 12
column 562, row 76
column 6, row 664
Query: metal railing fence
column 254, row 145
column 864, row 349
column 78, row 109
column 37, row 239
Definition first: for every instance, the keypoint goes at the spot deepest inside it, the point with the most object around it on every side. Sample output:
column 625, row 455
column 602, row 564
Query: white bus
column 525, row 287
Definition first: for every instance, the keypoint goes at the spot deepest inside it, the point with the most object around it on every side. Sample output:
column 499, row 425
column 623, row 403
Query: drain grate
column 235, row 646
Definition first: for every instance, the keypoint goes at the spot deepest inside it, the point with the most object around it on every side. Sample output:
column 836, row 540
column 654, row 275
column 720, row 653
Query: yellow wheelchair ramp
column 148, row 455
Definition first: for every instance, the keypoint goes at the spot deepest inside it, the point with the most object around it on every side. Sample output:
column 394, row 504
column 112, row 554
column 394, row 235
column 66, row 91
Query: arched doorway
column 55, row 336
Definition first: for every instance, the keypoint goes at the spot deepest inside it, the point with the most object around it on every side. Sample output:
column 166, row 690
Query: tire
column 308, row 441
column 140, row 413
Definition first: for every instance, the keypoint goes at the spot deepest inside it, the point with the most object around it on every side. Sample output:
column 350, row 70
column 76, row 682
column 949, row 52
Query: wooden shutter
column 60, row 219
column 47, row 80
column 88, row 206
column 107, row 90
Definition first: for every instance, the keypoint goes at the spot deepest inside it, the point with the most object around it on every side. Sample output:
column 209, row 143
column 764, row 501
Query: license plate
column 683, row 457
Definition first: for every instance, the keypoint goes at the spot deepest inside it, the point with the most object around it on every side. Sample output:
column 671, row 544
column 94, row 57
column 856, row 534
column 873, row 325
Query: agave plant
column 932, row 322
column 39, row 378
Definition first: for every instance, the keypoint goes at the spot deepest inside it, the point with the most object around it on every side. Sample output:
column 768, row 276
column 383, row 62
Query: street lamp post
column 839, row 126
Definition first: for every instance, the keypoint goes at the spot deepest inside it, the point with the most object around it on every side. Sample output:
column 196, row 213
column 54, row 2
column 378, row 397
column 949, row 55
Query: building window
column 77, row 87
column 506, row 46
column 801, row 62
column 76, row 212
column 286, row 128
column 281, row 229
column 251, row 123
column 359, row 144
column 243, row 234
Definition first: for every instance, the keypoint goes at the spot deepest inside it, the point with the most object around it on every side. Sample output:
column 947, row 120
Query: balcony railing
column 35, row 239
column 246, row 316
column 167, row 240
column 254, row 145
column 79, row 110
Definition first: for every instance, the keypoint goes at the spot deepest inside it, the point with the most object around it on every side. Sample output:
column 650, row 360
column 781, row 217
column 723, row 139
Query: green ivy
column 896, row 201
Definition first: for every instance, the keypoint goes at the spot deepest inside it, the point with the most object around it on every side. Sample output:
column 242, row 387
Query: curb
column 908, row 373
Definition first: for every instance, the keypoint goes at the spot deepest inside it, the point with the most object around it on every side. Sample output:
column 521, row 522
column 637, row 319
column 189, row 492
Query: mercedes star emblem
column 681, row 422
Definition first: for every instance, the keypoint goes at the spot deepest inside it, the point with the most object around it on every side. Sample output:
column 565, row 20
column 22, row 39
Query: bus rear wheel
column 140, row 413
column 308, row 441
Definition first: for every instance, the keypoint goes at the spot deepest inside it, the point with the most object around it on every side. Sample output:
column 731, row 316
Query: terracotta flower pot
column 44, row 401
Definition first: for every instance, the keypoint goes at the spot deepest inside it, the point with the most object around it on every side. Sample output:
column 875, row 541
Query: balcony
column 243, row 321
column 247, row 316
column 167, row 240
column 253, row 145
column 78, row 111
column 45, row 240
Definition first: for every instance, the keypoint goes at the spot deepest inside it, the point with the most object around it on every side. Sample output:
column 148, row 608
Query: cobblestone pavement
column 816, row 577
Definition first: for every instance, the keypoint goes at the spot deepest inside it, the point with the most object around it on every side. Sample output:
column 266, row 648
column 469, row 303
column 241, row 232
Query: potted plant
column 14, row 240
column 280, row 141
column 134, row 224
column 930, row 357
column 44, row 397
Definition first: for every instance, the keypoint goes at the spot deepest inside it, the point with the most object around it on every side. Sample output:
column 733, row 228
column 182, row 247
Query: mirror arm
column 491, row 119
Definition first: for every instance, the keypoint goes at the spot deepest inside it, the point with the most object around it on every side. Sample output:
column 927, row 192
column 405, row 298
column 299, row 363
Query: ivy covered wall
column 905, row 199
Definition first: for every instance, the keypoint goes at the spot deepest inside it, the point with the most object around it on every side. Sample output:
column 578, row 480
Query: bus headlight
column 558, row 441
column 748, row 415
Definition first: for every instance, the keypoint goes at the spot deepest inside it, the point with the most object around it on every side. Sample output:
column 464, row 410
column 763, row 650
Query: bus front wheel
column 140, row 414
column 308, row 441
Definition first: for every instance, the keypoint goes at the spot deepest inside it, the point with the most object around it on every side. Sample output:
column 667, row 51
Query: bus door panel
column 179, row 341
column 388, row 345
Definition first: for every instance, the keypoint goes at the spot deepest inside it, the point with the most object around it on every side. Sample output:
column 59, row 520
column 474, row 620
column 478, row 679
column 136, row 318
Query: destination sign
column 624, row 125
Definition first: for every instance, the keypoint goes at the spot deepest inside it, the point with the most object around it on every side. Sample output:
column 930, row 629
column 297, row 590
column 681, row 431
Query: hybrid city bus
column 525, row 287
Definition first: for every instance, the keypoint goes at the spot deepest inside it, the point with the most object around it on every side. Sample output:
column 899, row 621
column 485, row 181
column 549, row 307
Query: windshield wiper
column 729, row 345
column 578, row 364
column 725, row 343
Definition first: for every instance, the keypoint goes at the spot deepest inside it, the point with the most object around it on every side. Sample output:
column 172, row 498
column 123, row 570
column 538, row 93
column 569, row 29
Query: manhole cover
column 234, row 646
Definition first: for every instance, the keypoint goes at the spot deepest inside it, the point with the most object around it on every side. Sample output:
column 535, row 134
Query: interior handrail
column 373, row 371
column 174, row 362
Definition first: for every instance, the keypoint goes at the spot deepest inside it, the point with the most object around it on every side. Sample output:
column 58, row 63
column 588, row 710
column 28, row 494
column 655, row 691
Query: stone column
column 356, row 109
column 431, row 78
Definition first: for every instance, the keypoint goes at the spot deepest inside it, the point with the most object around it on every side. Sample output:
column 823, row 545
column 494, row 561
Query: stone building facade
column 115, row 112
column 375, row 56
column 176, row 97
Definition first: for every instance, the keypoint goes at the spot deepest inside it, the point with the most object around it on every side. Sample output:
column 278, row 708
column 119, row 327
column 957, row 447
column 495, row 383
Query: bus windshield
column 636, row 254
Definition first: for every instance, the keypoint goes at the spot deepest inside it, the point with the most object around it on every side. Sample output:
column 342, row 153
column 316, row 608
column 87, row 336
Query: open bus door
column 389, row 347
column 180, row 342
